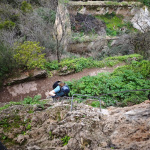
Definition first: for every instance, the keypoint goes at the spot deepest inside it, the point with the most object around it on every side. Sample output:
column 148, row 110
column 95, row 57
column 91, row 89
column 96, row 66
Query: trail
column 20, row 91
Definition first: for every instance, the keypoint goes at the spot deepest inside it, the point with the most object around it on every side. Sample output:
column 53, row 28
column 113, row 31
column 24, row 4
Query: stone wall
column 103, row 7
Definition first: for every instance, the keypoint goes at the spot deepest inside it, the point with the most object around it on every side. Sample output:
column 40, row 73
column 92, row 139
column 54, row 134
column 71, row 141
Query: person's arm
column 52, row 93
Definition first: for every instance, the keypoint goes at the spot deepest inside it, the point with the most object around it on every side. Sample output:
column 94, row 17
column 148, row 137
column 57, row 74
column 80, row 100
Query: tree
column 29, row 55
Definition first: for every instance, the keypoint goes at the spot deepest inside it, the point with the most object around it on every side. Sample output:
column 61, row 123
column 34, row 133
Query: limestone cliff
column 56, row 127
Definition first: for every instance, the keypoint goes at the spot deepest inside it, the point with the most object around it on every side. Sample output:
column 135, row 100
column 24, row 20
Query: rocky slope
column 84, row 128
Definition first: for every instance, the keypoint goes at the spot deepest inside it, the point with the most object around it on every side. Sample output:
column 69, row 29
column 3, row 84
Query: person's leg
column 60, row 94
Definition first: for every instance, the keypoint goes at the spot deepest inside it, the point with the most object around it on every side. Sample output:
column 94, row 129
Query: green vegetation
column 125, row 58
column 13, row 122
column 65, row 140
column 115, row 24
column 124, row 3
column 145, row 2
column 27, row 100
column 7, row 62
column 46, row 14
column 81, row 37
column 32, row 101
column 52, row 65
column 26, row 7
column 78, row 64
column 128, row 77
column 29, row 55
column 7, row 24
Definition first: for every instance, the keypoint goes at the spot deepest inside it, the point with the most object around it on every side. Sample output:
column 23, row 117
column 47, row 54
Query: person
column 60, row 89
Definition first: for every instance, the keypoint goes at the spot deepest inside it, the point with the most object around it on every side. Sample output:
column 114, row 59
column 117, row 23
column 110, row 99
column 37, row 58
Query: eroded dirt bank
column 20, row 91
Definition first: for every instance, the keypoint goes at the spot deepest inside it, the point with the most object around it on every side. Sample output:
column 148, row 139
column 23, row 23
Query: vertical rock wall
column 141, row 20
column 62, row 25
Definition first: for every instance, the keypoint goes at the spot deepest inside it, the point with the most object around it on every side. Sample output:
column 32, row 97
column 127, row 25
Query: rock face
column 102, row 7
column 27, row 76
column 122, row 46
column 62, row 26
column 87, row 23
column 141, row 20
column 56, row 127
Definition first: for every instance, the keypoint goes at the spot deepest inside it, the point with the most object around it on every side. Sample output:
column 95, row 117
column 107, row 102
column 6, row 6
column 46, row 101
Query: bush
column 141, row 44
column 51, row 65
column 26, row 7
column 7, row 25
column 7, row 62
column 145, row 2
column 78, row 64
column 29, row 55
column 46, row 14
column 129, row 77
column 125, row 58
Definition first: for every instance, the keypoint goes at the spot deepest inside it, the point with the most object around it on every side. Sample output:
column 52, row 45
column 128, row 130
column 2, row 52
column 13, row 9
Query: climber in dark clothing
column 60, row 89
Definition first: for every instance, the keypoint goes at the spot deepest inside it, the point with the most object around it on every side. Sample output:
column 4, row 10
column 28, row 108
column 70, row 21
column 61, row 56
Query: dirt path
column 20, row 91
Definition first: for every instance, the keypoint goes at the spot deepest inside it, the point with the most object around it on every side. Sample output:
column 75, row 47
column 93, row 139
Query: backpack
column 65, row 89
column 55, row 84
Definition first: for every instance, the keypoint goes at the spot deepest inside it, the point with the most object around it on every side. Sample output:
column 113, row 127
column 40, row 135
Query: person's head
column 61, row 84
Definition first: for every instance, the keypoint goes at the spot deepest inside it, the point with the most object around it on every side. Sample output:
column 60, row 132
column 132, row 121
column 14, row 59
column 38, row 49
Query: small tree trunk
column 57, row 51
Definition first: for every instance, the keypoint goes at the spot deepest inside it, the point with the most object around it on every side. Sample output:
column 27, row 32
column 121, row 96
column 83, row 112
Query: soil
column 43, row 86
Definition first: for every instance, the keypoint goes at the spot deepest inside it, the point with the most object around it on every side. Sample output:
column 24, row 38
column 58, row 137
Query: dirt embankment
column 20, row 91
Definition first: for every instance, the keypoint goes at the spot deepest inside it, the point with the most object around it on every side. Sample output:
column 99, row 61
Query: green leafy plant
column 29, row 55
column 65, row 140
column 26, row 7
column 10, row 104
column 28, row 127
column 78, row 64
column 51, row 65
column 7, row 25
column 128, row 77
column 34, row 100
column 27, row 100
column 145, row 2
column 115, row 24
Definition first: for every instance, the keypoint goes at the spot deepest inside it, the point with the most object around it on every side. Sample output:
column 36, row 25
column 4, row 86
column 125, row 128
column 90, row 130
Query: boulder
column 26, row 76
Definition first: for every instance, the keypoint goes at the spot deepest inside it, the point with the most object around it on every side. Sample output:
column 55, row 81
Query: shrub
column 32, row 101
column 7, row 25
column 125, row 58
column 51, row 65
column 26, row 7
column 145, row 2
column 129, row 77
column 7, row 62
column 141, row 43
column 27, row 100
column 29, row 55
column 78, row 64
column 46, row 14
